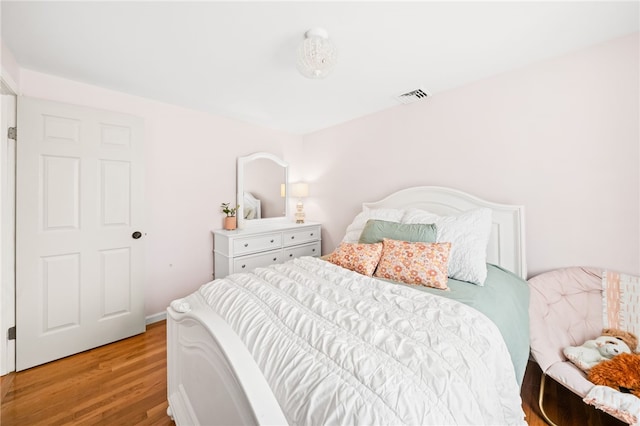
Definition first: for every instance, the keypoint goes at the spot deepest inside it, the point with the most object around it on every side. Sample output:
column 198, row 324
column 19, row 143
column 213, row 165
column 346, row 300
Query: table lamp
column 300, row 190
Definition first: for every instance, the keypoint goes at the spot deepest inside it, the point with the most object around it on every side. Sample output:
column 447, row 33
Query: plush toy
column 621, row 373
column 612, row 342
column 629, row 338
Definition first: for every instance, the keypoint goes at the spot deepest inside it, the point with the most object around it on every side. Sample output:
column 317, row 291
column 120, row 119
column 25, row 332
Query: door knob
column 136, row 235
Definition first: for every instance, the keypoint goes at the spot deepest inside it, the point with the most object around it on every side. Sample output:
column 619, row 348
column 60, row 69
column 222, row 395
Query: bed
column 310, row 342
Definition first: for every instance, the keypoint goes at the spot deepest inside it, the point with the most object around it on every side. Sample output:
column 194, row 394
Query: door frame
column 7, row 233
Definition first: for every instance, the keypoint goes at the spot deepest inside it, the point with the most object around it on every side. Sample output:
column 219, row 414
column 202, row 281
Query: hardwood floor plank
column 125, row 383
column 122, row 383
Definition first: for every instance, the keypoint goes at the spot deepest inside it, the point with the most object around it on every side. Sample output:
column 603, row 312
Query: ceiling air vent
column 413, row 96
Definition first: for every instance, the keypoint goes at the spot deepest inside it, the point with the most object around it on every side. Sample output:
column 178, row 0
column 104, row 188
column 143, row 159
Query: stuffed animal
column 621, row 373
column 629, row 338
column 592, row 352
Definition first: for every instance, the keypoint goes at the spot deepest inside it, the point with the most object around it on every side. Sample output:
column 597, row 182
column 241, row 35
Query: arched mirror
column 262, row 189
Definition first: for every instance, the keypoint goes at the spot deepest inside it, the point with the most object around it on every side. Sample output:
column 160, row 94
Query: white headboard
column 506, row 245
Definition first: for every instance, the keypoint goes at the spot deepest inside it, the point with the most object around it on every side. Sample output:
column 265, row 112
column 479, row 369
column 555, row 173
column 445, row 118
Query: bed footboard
column 212, row 378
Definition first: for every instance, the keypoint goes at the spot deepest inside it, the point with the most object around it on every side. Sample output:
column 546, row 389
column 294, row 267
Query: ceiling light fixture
column 317, row 54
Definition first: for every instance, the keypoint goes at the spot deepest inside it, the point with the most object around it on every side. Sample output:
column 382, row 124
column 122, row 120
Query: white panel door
column 79, row 209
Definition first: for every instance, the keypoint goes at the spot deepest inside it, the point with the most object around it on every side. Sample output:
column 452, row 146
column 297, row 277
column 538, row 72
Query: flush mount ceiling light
column 317, row 54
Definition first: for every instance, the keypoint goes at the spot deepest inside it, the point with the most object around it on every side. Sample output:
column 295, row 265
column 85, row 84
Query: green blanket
column 504, row 298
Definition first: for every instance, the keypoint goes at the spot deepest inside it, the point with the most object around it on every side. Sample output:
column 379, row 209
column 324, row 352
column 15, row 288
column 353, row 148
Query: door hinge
column 11, row 333
column 12, row 133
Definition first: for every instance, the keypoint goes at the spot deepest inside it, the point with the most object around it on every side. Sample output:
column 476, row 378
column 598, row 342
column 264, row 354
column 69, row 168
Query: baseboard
column 161, row 316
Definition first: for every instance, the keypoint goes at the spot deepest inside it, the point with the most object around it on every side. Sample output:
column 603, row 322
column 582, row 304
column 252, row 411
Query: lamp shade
column 317, row 54
column 300, row 190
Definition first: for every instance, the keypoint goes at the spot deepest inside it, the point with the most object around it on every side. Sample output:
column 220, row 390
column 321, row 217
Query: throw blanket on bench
column 337, row 347
column 621, row 310
column 621, row 302
column 621, row 405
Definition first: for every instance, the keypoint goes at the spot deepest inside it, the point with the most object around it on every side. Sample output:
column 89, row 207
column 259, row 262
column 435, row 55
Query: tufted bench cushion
column 565, row 309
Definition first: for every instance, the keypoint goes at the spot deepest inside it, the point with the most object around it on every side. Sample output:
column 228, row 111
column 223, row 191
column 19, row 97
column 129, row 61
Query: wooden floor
column 125, row 384
column 561, row 405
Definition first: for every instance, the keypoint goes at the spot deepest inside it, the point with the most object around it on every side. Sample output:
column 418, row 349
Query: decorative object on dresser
column 300, row 190
column 230, row 221
column 243, row 250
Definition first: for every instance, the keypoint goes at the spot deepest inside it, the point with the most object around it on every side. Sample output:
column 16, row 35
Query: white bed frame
column 212, row 377
column 506, row 243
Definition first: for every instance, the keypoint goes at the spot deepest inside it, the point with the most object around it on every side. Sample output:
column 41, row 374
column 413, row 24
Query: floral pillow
column 361, row 258
column 415, row 263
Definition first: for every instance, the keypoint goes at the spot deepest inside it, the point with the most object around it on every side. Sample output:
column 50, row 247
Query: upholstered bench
column 565, row 309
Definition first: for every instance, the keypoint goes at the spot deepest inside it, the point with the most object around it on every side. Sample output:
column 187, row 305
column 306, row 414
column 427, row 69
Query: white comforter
column 337, row 347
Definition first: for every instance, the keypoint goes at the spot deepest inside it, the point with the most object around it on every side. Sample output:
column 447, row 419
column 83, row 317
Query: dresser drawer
column 248, row 263
column 300, row 236
column 243, row 250
column 257, row 243
column 311, row 249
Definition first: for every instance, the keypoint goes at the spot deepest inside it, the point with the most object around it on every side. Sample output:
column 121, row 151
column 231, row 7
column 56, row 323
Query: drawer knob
column 246, row 244
column 243, row 266
column 271, row 240
column 313, row 250
column 292, row 237
column 312, row 234
column 275, row 258
column 290, row 254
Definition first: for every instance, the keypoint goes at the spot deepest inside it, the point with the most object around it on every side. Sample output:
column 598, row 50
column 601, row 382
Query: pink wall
column 560, row 137
column 190, row 170
column 9, row 66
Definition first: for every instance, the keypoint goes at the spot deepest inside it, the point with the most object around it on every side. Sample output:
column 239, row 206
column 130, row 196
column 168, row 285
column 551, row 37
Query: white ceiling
column 237, row 59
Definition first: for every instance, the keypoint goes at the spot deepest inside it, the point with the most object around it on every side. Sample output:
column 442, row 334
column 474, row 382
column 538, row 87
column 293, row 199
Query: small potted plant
column 230, row 221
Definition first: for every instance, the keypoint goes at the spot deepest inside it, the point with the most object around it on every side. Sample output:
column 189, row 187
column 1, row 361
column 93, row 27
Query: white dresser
column 242, row 250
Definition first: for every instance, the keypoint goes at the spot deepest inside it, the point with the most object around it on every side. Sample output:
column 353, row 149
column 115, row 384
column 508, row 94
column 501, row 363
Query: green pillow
column 376, row 230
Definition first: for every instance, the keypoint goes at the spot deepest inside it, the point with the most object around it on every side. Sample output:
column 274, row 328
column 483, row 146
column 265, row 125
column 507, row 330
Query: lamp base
column 299, row 213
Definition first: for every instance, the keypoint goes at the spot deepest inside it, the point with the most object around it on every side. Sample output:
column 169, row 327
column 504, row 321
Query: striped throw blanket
column 621, row 310
column 621, row 302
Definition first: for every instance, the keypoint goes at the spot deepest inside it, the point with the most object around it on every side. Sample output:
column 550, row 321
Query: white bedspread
column 341, row 348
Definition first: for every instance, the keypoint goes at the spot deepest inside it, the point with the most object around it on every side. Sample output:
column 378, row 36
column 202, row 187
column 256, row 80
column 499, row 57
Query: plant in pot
column 230, row 221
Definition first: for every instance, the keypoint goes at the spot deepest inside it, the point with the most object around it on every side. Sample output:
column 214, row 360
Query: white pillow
column 468, row 232
column 352, row 234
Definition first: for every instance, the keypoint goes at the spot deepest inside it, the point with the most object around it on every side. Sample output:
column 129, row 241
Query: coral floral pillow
column 362, row 258
column 415, row 263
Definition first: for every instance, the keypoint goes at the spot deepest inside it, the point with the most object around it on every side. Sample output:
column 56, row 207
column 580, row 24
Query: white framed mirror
column 262, row 189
